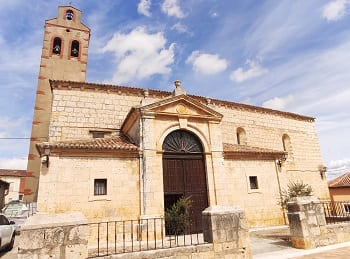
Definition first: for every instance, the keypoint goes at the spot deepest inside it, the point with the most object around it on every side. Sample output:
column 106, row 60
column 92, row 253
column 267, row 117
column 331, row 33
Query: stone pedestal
column 54, row 236
column 226, row 227
column 307, row 223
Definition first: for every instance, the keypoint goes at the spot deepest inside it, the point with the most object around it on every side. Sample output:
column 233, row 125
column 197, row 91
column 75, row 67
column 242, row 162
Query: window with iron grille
column 98, row 134
column 100, row 187
column 253, row 180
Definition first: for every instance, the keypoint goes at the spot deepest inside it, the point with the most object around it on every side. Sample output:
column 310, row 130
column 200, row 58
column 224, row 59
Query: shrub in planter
column 295, row 189
column 177, row 218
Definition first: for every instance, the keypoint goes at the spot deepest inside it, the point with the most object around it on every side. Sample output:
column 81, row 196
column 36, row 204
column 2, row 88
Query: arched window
column 75, row 49
column 56, row 46
column 241, row 136
column 69, row 15
column 182, row 141
column 287, row 147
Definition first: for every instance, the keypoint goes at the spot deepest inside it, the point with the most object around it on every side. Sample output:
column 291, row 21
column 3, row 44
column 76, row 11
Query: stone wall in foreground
column 308, row 227
column 54, row 236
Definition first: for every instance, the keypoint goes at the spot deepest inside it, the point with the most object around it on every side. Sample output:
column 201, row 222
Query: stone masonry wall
column 68, row 185
column 261, row 205
column 58, row 236
column 226, row 227
column 308, row 228
column 75, row 113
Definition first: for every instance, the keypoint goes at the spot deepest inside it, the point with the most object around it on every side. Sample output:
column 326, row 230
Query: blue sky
column 287, row 55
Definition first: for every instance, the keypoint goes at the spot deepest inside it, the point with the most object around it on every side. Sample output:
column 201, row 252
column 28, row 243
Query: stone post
column 227, row 228
column 54, row 236
column 307, row 223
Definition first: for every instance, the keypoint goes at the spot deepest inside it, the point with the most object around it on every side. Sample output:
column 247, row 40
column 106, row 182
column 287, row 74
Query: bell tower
column 64, row 57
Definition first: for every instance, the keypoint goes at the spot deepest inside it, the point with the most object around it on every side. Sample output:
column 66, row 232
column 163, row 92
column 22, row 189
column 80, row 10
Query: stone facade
column 78, row 109
column 243, row 146
column 68, row 185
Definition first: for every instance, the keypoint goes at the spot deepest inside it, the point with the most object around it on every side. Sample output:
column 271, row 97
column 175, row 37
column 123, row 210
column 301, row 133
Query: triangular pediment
column 182, row 106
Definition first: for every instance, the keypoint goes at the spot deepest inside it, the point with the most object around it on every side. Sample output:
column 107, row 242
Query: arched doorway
column 184, row 173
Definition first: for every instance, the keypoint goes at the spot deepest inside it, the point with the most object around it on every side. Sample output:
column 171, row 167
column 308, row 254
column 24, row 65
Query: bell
column 57, row 49
column 74, row 52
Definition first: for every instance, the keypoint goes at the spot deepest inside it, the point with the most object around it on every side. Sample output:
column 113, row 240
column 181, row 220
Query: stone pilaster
column 152, row 191
column 219, row 184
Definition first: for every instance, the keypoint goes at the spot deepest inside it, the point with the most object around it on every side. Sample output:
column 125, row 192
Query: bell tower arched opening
column 184, row 173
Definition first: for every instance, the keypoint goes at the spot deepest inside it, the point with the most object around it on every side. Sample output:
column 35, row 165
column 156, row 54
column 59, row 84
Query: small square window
column 253, row 180
column 100, row 187
column 98, row 134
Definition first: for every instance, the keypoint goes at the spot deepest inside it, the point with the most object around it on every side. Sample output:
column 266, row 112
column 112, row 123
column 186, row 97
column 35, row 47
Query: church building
column 119, row 153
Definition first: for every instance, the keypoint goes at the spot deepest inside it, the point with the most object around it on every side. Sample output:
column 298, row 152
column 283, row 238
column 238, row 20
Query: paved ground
column 265, row 240
column 273, row 243
column 339, row 253
column 11, row 254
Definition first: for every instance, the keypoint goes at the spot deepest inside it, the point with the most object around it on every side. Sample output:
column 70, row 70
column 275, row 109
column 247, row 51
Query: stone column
column 227, row 228
column 307, row 223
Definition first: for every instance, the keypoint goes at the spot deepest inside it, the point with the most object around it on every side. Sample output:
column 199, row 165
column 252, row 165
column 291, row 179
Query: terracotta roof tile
column 11, row 172
column 235, row 148
column 341, row 181
column 115, row 143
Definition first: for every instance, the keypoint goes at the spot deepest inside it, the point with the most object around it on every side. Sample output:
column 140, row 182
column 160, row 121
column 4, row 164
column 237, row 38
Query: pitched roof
column 341, row 181
column 96, row 144
column 243, row 150
column 60, row 84
column 11, row 172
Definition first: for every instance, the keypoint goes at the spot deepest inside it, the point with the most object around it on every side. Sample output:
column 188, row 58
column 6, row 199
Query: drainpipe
column 280, row 191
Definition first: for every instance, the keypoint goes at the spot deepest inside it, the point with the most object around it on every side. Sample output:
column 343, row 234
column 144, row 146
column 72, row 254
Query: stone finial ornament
column 177, row 83
column 178, row 89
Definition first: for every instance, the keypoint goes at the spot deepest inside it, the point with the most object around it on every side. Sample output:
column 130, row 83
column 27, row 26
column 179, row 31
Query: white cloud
column 143, row 7
column 334, row 10
column 278, row 103
column 254, row 70
column 208, row 64
column 11, row 126
column 339, row 163
column 179, row 27
column 213, row 14
column 13, row 163
column 172, row 8
column 337, row 168
column 140, row 55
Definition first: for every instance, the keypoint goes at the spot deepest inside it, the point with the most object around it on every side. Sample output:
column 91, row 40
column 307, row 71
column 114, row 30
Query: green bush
column 295, row 189
column 177, row 218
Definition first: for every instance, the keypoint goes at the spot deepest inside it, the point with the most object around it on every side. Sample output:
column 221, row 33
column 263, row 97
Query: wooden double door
column 184, row 175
